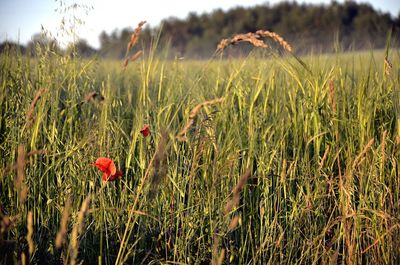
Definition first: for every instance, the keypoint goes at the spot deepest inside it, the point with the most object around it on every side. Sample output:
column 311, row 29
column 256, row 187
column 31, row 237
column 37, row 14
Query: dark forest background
column 309, row 28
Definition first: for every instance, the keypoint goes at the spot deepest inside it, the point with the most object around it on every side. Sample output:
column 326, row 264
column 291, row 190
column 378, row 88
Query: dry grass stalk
column 77, row 230
column 254, row 39
column 62, row 232
column 7, row 222
column 334, row 258
column 215, row 247
column 20, row 167
column 380, row 238
column 15, row 166
column 383, row 145
column 280, row 238
column 228, row 208
column 283, row 172
column 93, row 96
column 242, row 181
column 236, row 191
column 324, row 157
column 159, row 164
column 30, row 233
column 29, row 114
column 134, row 38
column 331, row 96
column 388, row 66
column 36, row 152
column 234, row 223
column 19, row 179
column 126, row 61
column 193, row 113
column 221, row 257
column 365, row 150
column 23, row 258
column 135, row 56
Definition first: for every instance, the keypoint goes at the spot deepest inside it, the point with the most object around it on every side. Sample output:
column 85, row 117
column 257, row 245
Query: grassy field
column 282, row 160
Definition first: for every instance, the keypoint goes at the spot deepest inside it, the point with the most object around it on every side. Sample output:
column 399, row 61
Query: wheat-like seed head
column 276, row 37
column 254, row 38
column 134, row 38
column 388, row 66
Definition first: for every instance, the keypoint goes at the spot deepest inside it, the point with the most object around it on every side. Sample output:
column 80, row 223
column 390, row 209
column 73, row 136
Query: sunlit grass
column 321, row 145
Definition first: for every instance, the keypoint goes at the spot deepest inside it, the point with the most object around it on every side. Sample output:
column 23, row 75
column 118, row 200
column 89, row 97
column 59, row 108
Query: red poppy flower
column 107, row 166
column 145, row 131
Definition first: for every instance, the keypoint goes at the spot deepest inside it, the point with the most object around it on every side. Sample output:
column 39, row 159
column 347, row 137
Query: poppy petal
column 112, row 168
column 145, row 131
column 105, row 177
column 116, row 176
column 107, row 166
column 103, row 163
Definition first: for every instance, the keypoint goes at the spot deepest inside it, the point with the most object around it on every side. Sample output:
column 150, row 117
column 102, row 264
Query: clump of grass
column 192, row 116
column 230, row 205
column 322, row 154
column 29, row 115
column 236, row 192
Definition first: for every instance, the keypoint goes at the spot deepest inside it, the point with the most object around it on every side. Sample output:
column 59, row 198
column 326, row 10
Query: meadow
column 268, row 159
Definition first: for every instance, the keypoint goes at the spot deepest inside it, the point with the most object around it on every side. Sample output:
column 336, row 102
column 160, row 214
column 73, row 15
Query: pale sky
column 20, row 19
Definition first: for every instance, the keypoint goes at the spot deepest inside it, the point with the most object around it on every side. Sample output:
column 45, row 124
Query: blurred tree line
column 321, row 28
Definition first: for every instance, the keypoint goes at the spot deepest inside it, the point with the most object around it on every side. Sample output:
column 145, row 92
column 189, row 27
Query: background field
column 298, row 163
